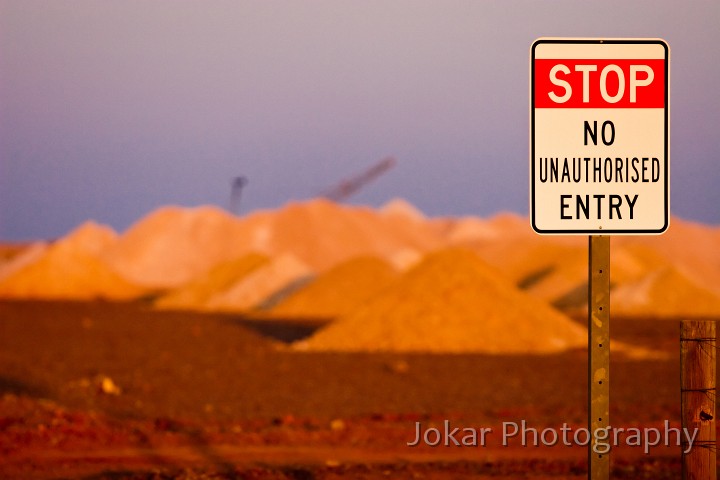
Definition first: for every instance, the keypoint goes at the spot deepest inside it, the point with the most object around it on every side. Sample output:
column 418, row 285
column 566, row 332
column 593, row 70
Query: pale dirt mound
column 174, row 245
column 72, row 268
column 474, row 232
column 338, row 291
column 636, row 268
column 323, row 234
column 692, row 248
column 629, row 263
column 21, row 259
column 563, row 281
column 512, row 225
column 251, row 290
column 90, row 237
column 557, row 271
column 527, row 262
column 564, row 276
column 452, row 302
column 507, row 242
column 8, row 251
column 405, row 259
column 668, row 293
column 552, row 269
column 198, row 292
column 401, row 208
column 471, row 229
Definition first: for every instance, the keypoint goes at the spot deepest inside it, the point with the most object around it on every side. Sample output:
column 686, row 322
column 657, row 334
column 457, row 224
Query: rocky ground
column 102, row 390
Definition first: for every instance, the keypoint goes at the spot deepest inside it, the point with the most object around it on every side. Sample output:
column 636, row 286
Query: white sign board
column 599, row 133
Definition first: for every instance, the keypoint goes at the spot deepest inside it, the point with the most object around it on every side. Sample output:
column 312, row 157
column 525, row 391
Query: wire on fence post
column 697, row 397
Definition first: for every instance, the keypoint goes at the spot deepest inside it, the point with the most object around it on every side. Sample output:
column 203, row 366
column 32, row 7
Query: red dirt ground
column 216, row 396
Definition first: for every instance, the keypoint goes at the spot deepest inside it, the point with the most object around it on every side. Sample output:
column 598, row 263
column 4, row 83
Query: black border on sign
column 532, row 136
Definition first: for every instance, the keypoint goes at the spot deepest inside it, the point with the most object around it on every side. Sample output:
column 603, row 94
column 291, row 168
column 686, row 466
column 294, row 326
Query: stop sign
column 599, row 136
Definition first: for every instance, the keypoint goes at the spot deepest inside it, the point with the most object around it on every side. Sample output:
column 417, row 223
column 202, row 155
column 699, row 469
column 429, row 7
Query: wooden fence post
column 697, row 397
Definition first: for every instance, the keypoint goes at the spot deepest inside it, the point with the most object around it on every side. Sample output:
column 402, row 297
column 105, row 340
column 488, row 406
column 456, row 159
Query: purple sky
column 110, row 109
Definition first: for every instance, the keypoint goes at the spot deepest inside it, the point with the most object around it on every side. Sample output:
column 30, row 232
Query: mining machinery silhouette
column 346, row 188
column 238, row 184
column 338, row 193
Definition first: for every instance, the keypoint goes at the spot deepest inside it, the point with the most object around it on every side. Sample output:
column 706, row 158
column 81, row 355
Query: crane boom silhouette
column 346, row 188
column 338, row 193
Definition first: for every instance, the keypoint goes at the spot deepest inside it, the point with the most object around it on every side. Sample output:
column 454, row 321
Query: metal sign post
column 599, row 166
column 599, row 352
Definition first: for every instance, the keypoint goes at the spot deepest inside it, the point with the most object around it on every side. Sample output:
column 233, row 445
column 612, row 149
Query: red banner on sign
column 599, row 83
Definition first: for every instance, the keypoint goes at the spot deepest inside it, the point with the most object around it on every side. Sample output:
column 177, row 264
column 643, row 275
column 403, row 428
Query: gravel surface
column 78, row 378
